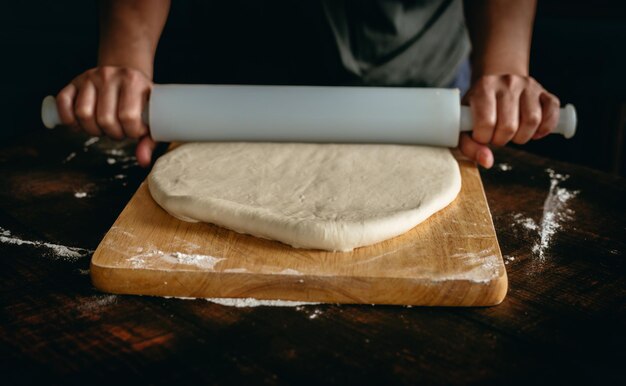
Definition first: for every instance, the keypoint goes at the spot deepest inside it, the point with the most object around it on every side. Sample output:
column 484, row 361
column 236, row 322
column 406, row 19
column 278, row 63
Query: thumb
column 145, row 148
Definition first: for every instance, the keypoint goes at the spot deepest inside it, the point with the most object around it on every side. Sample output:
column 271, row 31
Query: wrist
column 504, row 67
column 132, row 57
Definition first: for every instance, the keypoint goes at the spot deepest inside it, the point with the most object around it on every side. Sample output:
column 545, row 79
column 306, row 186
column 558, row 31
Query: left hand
column 507, row 108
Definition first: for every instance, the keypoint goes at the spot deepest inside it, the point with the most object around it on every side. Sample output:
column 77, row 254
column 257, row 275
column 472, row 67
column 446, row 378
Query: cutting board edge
column 430, row 292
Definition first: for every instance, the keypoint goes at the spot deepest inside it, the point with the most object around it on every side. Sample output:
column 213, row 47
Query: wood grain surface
column 452, row 259
column 562, row 321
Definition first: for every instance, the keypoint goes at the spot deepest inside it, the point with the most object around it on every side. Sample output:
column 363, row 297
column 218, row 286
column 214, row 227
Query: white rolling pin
column 426, row 116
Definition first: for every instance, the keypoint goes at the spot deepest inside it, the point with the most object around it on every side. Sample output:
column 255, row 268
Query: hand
column 109, row 101
column 507, row 108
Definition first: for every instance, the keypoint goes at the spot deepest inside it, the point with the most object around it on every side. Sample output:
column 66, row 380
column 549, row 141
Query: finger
column 85, row 108
column 507, row 121
column 106, row 110
column 483, row 107
column 65, row 106
column 145, row 148
column 550, row 112
column 132, row 100
column 530, row 117
column 477, row 152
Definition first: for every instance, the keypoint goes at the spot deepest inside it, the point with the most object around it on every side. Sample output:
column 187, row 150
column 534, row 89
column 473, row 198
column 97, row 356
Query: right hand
column 109, row 101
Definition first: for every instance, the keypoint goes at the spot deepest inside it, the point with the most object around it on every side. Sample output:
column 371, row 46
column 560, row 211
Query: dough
column 333, row 197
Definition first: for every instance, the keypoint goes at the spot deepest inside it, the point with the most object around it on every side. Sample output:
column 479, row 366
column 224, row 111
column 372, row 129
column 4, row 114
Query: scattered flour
column 317, row 312
column 508, row 259
column 251, row 302
column 111, row 161
column 80, row 194
column 116, row 152
column 201, row 261
column 555, row 213
column 91, row 141
column 482, row 267
column 54, row 250
column 235, row 270
column 504, row 167
column 69, row 157
column 526, row 222
column 289, row 271
column 96, row 303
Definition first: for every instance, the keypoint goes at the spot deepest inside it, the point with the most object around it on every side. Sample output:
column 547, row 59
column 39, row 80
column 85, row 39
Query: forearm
column 130, row 32
column 500, row 31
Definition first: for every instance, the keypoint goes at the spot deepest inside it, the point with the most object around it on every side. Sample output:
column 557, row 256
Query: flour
column 96, row 303
column 526, row 222
column 80, row 194
column 504, row 167
column 289, row 271
column 111, row 161
column 555, row 213
column 69, row 157
column 508, row 259
column 201, row 261
column 116, row 152
column 91, row 141
column 480, row 267
column 54, row 250
column 235, row 270
column 251, row 302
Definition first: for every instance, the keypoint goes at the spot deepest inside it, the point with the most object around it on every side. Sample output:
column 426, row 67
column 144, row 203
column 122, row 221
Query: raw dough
column 333, row 197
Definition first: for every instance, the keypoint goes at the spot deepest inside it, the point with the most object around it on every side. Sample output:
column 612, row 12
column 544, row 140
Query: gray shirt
column 418, row 43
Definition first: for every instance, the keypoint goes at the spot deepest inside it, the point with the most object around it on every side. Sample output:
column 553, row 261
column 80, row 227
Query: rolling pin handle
column 50, row 114
column 566, row 126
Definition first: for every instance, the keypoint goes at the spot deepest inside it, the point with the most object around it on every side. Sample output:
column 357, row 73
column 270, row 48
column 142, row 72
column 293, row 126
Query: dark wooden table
column 562, row 322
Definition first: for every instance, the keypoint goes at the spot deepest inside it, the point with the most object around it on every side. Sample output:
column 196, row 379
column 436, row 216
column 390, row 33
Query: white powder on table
column 69, row 157
column 504, row 167
column 80, row 194
column 91, row 141
column 251, row 302
column 54, row 250
column 555, row 213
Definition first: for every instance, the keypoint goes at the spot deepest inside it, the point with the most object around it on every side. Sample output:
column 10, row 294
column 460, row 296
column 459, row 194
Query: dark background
column 579, row 54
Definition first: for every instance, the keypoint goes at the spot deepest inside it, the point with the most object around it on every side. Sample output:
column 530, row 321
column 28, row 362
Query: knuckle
column 499, row 141
column 106, row 120
column 129, row 117
column 485, row 121
column 508, row 129
column 520, row 140
column 130, row 75
column 533, row 119
column 106, row 72
column 83, row 113
column 64, row 98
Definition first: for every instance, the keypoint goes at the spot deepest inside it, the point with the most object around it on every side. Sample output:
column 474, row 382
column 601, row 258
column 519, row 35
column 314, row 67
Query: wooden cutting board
column 452, row 259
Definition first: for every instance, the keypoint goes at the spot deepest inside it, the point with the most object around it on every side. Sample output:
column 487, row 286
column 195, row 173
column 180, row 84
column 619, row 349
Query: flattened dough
column 333, row 197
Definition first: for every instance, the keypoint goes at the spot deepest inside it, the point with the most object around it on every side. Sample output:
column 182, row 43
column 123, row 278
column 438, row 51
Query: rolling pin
column 425, row 116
